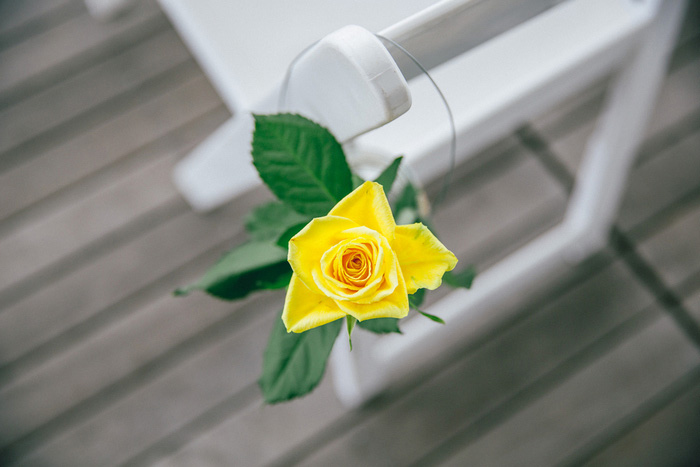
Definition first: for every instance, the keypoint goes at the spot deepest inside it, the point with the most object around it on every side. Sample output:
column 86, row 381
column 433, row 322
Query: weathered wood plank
column 125, row 134
column 693, row 304
column 658, row 184
column 673, row 252
column 108, row 359
column 669, row 437
column 577, row 410
column 91, row 289
column 202, row 381
column 14, row 14
column 77, row 39
column 172, row 144
column 36, row 247
column 105, row 85
column 256, row 435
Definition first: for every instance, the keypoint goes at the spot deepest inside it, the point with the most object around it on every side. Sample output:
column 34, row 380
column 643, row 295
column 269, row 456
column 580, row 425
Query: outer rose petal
column 422, row 257
column 392, row 306
column 308, row 246
column 304, row 309
column 367, row 205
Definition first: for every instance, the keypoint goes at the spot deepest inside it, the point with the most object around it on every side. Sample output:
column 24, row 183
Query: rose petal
column 308, row 246
column 304, row 309
column 394, row 305
column 423, row 259
column 367, row 205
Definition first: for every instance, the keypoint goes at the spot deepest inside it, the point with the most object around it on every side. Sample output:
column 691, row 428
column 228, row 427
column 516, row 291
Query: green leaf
column 407, row 199
column 356, row 181
column 406, row 206
column 268, row 221
column 431, row 317
column 301, row 162
column 387, row 177
column 249, row 267
column 380, row 325
column 464, row 278
column 283, row 240
column 293, row 364
column 350, row 321
column 415, row 300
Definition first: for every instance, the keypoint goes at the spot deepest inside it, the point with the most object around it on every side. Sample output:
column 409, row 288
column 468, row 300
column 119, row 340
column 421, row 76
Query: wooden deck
column 100, row 365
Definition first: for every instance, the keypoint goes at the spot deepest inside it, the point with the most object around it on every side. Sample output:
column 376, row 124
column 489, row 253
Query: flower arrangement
column 332, row 240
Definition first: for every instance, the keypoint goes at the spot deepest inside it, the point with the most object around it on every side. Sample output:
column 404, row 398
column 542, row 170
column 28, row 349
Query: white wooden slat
column 88, row 152
column 669, row 437
column 69, row 40
column 491, row 374
column 447, row 29
column 246, row 56
column 146, row 415
column 577, row 410
column 491, row 97
column 66, row 100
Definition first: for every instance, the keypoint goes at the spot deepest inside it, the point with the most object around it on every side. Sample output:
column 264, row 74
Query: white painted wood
column 512, row 78
column 347, row 82
column 246, row 47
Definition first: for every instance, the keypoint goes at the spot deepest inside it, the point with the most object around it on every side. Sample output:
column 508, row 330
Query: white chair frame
column 639, row 46
column 512, row 78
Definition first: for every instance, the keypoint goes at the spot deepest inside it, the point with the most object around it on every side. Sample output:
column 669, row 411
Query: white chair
column 493, row 88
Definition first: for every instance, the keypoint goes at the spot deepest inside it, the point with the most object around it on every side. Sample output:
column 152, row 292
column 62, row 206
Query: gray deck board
column 693, row 304
column 203, row 380
column 104, row 84
column 674, row 251
column 100, row 365
column 573, row 413
column 111, row 277
column 120, row 137
column 16, row 14
column 668, row 437
column 68, row 41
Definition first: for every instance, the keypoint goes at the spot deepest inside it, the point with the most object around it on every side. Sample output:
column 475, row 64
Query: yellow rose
column 356, row 261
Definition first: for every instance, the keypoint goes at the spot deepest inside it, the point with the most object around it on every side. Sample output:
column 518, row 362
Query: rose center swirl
column 354, row 266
